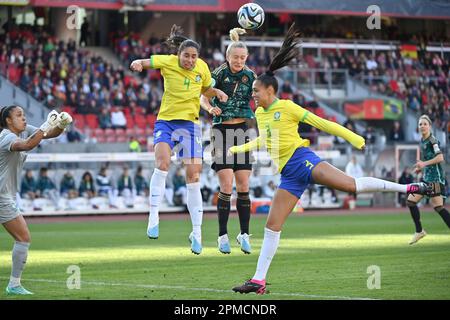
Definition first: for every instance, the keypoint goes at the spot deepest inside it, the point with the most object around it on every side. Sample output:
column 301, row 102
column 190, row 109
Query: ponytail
column 287, row 52
column 234, row 36
column 178, row 42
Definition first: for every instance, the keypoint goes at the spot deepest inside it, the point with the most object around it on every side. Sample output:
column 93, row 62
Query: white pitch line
column 155, row 286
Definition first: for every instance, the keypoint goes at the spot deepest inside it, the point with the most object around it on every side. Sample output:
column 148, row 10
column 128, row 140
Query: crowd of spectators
column 60, row 74
column 422, row 83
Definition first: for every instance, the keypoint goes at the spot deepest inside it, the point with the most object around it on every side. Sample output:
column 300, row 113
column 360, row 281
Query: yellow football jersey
column 182, row 88
column 278, row 129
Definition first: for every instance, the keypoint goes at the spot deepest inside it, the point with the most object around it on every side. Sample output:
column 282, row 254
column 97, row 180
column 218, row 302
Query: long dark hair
column 287, row 52
column 5, row 113
column 178, row 42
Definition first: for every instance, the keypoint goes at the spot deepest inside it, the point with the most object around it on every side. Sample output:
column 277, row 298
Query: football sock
column 243, row 208
column 445, row 215
column 223, row 211
column 157, row 189
column 369, row 184
column 415, row 215
column 195, row 207
column 268, row 250
column 19, row 259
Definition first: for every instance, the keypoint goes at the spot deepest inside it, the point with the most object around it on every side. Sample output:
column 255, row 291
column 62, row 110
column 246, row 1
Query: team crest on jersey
column 198, row 78
column 244, row 79
column 277, row 116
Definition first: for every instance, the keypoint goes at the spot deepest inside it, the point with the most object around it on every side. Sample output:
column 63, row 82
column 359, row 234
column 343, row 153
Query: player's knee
column 410, row 203
column 226, row 187
column 438, row 208
column 349, row 186
column 162, row 164
column 242, row 187
column 273, row 226
column 23, row 237
column 192, row 177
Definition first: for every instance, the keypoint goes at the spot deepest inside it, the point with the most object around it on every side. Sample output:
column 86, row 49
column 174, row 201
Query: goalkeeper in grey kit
column 16, row 138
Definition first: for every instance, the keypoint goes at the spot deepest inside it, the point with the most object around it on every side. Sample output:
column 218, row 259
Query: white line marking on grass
column 156, row 286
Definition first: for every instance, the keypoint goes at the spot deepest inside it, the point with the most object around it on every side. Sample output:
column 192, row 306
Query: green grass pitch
column 319, row 257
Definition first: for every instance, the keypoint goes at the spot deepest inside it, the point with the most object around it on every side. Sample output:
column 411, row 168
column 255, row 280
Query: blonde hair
column 234, row 36
column 424, row 116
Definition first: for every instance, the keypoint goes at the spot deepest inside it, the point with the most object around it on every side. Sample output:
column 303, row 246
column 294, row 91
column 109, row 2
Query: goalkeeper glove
column 64, row 120
column 52, row 121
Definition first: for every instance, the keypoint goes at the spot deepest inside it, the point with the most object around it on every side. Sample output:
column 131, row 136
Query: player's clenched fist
column 136, row 65
column 64, row 120
column 52, row 121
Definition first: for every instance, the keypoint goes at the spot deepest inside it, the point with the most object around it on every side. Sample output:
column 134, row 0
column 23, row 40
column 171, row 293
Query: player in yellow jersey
column 278, row 122
column 186, row 77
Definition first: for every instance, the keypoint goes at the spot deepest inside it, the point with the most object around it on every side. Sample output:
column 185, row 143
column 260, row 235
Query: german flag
column 408, row 50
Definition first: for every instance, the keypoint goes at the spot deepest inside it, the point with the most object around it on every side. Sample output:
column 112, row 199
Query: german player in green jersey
column 430, row 164
column 230, row 129
column 299, row 166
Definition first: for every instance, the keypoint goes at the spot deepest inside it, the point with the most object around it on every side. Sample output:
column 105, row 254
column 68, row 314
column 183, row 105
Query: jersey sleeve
column 7, row 141
column 249, row 146
column 436, row 146
column 330, row 127
column 216, row 76
column 30, row 129
column 207, row 80
column 159, row 61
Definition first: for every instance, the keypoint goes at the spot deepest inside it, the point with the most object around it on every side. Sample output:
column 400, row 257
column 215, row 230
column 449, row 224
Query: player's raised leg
column 330, row 176
column 282, row 205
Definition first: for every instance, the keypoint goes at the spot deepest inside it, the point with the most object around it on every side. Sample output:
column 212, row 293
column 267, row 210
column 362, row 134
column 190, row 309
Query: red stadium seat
column 120, row 132
column 332, row 118
column 142, row 140
column 320, row 112
column 126, row 111
column 122, row 138
column 109, row 132
column 68, row 109
column 130, row 132
column 139, row 131
column 140, row 121
column 101, row 139
column 98, row 133
column 92, row 121
column 110, row 138
column 148, row 132
column 79, row 120
column 130, row 121
column 151, row 119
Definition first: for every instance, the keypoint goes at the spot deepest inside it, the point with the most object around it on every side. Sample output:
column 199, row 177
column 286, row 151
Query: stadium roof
column 433, row 9
column 154, row 5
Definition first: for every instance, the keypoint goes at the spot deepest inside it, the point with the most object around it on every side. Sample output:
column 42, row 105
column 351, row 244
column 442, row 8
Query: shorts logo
column 308, row 164
column 198, row 78
column 277, row 116
column 158, row 133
